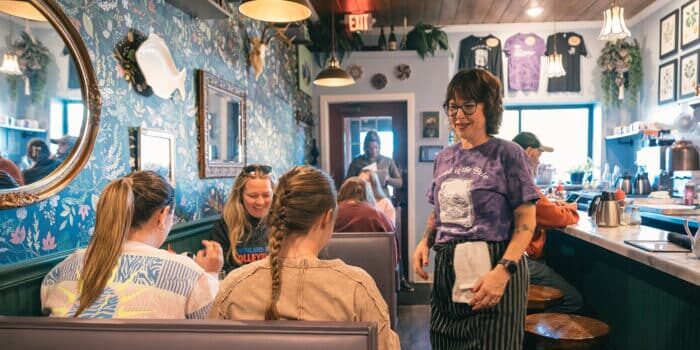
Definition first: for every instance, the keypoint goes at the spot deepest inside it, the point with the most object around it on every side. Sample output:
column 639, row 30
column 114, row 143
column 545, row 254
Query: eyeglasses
column 265, row 169
column 467, row 107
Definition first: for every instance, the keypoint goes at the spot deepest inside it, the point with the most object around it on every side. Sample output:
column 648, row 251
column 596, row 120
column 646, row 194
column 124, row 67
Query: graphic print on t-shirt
column 456, row 206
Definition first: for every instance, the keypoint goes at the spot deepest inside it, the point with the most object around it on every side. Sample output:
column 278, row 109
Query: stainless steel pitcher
column 605, row 210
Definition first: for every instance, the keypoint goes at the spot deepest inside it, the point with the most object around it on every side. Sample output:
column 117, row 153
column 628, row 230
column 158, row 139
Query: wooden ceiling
column 456, row 12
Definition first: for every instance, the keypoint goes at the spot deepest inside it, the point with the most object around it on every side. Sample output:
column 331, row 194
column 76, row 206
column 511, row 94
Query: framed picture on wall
column 690, row 23
column 429, row 153
column 689, row 74
column 304, row 61
column 667, row 82
column 155, row 151
column 668, row 34
column 431, row 124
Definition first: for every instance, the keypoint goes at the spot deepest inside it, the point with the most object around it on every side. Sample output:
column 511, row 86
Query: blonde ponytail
column 111, row 230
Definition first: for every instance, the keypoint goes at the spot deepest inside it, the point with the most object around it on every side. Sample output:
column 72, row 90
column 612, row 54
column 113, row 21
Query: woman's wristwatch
column 509, row 265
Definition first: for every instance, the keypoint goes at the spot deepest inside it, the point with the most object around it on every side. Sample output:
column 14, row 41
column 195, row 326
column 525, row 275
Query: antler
column 275, row 32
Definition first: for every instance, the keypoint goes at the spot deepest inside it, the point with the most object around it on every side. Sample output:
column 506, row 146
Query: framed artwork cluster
column 679, row 33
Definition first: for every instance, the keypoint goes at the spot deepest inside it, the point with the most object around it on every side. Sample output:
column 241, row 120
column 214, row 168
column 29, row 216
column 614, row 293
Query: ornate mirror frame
column 74, row 163
column 214, row 169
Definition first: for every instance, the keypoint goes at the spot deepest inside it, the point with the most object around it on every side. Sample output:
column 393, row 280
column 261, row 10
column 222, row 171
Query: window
column 566, row 128
column 66, row 119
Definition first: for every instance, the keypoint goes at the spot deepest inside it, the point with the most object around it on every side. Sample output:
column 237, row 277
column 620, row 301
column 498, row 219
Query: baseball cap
column 65, row 139
column 527, row 139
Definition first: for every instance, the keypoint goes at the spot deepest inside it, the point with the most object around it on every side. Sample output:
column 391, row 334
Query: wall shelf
column 622, row 136
column 20, row 128
column 202, row 9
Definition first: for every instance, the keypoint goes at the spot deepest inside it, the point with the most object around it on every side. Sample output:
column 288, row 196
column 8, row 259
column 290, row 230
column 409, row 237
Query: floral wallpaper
column 66, row 221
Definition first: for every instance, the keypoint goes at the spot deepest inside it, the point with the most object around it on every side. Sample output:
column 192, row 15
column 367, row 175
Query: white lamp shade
column 22, row 9
column 614, row 27
column 10, row 65
column 276, row 11
column 555, row 68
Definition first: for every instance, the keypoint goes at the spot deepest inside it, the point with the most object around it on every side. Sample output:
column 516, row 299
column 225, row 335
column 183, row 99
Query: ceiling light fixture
column 614, row 27
column 333, row 75
column 535, row 9
column 10, row 61
column 555, row 67
column 22, row 9
column 276, row 11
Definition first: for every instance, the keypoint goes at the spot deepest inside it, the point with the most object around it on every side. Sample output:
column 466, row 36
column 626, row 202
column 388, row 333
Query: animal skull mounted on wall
column 260, row 45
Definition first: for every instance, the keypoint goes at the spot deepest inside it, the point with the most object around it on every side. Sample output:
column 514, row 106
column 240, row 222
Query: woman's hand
column 211, row 258
column 489, row 289
column 421, row 258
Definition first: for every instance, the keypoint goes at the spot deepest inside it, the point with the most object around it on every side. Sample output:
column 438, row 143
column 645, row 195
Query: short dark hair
column 480, row 86
column 371, row 136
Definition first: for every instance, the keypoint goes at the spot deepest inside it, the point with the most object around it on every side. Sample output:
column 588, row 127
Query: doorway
column 347, row 125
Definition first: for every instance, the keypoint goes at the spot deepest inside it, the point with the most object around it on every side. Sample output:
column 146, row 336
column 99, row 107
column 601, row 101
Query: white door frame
column 409, row 98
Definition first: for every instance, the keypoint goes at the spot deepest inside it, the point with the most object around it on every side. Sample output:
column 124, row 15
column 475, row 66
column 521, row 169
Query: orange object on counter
column 619, row 195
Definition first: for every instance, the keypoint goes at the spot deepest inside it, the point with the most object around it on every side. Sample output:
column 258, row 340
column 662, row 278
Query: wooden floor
column 414, row 326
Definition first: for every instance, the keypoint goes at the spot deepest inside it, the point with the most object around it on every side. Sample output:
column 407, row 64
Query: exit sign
column 359, row 22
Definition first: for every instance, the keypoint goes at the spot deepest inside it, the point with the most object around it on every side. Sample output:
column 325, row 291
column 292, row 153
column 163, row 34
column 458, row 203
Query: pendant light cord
column 556, row 37
column 333, row 29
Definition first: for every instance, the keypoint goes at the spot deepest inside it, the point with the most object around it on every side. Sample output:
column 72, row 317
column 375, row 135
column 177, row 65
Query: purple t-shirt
column 475, row 191
column 524, row 52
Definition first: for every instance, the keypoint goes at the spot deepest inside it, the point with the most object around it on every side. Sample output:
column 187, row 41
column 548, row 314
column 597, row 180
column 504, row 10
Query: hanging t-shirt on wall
column 571, row 46
column 481, row 52
column 524, row 51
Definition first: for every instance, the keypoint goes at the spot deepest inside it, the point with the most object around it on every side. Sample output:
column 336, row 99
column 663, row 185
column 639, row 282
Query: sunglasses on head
column 265, row 169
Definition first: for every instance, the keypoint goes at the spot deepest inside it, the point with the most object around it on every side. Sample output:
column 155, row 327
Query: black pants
column 457, row 326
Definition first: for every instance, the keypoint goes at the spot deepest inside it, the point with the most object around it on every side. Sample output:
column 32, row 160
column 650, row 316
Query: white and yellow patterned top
column 146, row 283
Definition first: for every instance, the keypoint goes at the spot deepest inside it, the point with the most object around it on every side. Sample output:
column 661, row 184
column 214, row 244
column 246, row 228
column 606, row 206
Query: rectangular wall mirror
column 222, row 124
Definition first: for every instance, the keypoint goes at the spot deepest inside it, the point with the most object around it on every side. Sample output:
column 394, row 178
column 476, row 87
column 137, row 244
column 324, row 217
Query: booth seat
column 373, row 252
column 30, row 333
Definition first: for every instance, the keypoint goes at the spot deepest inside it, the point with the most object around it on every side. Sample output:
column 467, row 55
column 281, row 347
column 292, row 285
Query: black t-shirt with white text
column 571, row 46
column 481, row 52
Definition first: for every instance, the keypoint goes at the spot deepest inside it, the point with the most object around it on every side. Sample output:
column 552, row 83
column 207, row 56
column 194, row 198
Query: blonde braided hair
column 304, row 194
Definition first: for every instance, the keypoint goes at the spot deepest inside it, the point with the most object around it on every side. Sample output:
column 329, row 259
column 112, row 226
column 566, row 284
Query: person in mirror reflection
column 241, row 220
column 38, row 152
column 122, row 273
column 7, row 181
column 387, row 171
column 292, row 282
column 65, row 145
column 13, row 171
column 549, row 215
column 484, row 204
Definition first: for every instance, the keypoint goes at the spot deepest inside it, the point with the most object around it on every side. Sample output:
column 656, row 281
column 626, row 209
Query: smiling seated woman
column 122, row 273
column 248, row 202
column 292, row 282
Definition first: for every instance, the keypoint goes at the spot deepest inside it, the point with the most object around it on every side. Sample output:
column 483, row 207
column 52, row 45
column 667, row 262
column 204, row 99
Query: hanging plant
column 34, row 59
column 425, row 39
column 621, row 78
column 320, row 34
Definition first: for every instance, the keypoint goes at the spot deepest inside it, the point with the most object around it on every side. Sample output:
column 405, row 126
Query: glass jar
column 689, row 194
column 635, row 216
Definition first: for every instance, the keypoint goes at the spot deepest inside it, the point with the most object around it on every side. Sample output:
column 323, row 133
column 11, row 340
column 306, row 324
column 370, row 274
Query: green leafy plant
column 34, row 59
column 621, row 65
column 320, row 34
column 426, row 39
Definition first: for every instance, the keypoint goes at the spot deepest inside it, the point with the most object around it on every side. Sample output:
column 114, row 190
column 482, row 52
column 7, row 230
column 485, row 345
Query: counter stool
column 539, row 298
column 564, row 331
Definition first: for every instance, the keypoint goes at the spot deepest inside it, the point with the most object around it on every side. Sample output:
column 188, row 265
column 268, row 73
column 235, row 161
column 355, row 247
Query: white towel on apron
column 471, row 261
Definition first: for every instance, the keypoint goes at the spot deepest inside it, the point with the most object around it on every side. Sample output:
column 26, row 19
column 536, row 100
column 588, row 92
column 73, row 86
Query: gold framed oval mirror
column 50, row 102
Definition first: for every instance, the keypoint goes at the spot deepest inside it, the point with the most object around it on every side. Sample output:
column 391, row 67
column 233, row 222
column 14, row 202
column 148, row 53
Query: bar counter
column 649, row 300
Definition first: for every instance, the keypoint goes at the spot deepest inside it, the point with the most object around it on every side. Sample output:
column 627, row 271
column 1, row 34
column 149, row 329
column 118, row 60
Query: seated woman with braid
column 122, row 273
column 292, row 282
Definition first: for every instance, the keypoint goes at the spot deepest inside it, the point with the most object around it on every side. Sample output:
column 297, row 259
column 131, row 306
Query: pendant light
column 22, row 9
column 555, row 67
column 333, row 75
column 276, row 11
column 10, row 61
column 614, row 27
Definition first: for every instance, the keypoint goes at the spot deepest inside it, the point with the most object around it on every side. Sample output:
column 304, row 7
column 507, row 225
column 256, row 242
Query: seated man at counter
column 549, row 214
column 65, row 145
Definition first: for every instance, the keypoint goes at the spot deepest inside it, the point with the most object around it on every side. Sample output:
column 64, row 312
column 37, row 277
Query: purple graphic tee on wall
column 475, row 191
column 524, row 51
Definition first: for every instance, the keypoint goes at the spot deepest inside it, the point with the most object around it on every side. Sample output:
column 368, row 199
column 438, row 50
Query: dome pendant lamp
column 333, row 75
column 614, row 26
column 276, row 11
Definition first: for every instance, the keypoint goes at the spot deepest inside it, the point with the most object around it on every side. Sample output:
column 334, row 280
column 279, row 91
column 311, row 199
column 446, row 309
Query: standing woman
column 484, row 207
column 293, row 283
column 240, row 221
column 122, row 273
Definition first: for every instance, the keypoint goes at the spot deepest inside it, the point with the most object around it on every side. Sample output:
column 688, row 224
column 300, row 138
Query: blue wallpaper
column 66, row 220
